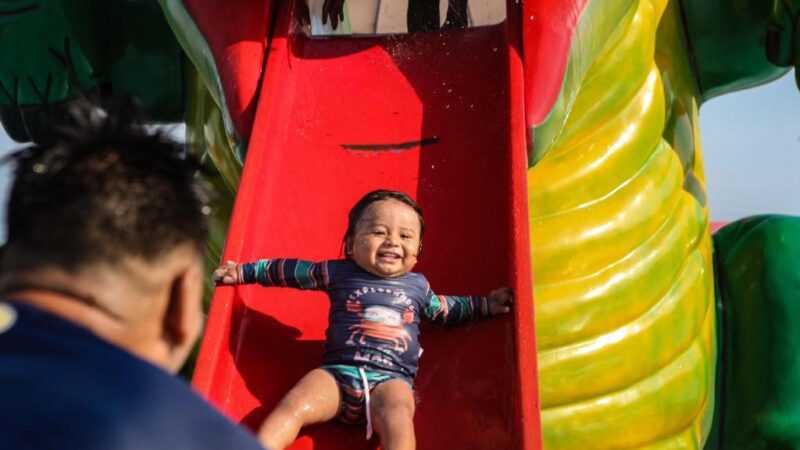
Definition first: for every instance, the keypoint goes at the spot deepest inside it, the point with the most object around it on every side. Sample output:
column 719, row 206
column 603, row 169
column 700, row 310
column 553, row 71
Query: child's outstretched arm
column 282, row 272
column 452, row 309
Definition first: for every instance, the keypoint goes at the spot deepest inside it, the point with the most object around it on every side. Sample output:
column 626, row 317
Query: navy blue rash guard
column 373, row 321
column 64, row 388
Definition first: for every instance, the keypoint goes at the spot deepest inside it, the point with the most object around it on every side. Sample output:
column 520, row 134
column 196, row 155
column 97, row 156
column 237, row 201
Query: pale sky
column 751, row 147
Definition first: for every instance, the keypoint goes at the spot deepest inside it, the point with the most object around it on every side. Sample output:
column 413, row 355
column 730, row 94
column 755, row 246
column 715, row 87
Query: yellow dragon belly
column 622, row 252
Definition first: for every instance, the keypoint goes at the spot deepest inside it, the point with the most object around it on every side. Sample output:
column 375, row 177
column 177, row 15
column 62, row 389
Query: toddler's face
column 387, row 237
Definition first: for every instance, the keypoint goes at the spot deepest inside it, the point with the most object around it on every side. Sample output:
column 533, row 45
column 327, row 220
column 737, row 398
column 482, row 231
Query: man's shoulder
column 89, row 394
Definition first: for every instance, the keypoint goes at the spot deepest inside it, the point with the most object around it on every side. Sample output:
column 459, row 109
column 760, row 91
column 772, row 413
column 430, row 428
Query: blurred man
column 100, row 295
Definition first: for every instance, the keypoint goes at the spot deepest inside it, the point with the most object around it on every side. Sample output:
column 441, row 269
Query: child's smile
column 387, row 239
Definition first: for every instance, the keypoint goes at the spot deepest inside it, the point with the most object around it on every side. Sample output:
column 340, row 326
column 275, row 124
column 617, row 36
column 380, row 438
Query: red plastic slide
column 440, row 116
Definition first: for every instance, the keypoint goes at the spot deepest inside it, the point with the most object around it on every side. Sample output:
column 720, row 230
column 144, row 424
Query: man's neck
column 86, row 303
column 45, row 294
column 71, row 307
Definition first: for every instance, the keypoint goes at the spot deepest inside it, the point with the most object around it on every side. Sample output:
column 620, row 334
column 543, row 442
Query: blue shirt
column 62, row 387
column 373, row 321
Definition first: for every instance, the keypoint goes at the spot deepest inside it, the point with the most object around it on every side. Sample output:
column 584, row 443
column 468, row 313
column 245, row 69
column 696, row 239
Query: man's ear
column 183, row 315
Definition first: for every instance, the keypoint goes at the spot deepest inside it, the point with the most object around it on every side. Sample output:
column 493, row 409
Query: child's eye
column 405, row 236
column 378, row 233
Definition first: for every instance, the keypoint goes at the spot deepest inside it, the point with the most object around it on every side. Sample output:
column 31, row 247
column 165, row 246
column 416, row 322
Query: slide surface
column 438, row 115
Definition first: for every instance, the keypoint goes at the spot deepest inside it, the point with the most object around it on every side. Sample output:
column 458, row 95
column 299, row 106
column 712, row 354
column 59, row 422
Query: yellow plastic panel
column 621, row 249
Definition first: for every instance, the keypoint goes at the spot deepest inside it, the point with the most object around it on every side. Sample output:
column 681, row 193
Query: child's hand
column 227, row 274
column 500, row 300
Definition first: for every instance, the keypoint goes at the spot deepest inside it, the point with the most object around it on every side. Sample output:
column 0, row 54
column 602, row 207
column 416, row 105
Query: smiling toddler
column 371, row 348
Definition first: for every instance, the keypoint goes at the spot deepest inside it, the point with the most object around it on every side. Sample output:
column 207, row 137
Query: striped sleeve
column 294, row 273
column 453, row 309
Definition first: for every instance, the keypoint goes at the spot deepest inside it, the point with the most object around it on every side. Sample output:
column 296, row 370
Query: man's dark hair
column 375, row 196
column 102, row 189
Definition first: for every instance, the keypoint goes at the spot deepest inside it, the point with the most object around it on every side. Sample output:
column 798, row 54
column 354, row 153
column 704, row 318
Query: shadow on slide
column 440, row 116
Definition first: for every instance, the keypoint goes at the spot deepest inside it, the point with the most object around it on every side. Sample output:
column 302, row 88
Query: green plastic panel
column 758, row 277
column 54, row 51
column 727, row 38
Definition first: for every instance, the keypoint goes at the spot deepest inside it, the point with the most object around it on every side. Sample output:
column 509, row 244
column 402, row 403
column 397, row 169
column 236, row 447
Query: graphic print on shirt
column 379, row 323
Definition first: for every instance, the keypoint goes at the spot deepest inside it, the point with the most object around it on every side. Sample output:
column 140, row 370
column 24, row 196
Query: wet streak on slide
column 438, row 115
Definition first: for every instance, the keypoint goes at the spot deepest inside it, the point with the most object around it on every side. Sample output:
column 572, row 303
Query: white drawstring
column 366, row 401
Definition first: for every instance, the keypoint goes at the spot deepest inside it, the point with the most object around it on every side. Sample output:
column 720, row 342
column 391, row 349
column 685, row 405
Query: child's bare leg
column 393, row 415
column 314, row 399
